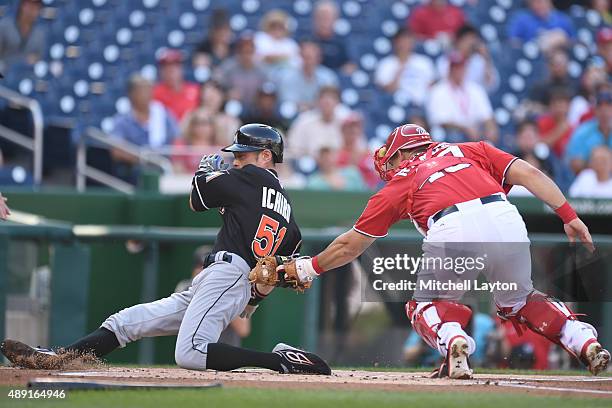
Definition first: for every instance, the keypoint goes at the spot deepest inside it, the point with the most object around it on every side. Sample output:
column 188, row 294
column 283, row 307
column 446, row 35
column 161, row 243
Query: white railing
column 145, row 156
column 101, row 139
column 35, row 145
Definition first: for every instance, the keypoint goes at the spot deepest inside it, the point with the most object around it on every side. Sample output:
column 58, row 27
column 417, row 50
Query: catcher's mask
column 407, row 136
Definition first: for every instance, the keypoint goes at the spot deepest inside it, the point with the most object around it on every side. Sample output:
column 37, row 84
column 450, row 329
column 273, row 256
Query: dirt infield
column 340, row 379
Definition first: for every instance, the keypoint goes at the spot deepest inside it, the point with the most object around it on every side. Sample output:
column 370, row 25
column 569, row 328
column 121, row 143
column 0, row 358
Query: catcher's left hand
column 281, row 272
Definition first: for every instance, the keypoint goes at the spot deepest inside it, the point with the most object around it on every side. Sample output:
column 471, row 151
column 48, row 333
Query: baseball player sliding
column 455, row 195
column 257, row 222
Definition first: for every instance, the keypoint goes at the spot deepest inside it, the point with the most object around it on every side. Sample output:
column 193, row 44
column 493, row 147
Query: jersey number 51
column 268, row 237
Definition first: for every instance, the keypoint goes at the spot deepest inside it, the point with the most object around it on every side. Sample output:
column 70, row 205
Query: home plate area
column 108, row 377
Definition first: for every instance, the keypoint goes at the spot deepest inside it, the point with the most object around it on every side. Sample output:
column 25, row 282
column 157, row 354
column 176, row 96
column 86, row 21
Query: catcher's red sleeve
column 384, row 209
column 495, row 161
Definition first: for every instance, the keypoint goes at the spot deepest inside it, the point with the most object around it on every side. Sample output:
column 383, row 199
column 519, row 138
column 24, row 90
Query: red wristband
column 566, row 213
column 316, row 266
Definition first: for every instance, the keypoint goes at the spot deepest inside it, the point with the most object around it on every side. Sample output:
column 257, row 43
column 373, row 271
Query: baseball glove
column 278, row 271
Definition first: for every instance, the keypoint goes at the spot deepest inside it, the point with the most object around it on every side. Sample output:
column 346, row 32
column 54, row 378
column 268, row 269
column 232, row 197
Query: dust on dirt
column 64, row 360
column 339, row 380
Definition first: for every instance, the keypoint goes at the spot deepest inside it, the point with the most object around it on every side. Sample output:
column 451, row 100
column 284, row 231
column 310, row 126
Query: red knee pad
column 427, row 321
column 544, row 315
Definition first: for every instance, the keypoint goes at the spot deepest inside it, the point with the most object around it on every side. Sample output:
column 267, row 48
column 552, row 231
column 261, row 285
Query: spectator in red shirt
column 436, row 19
column 176, row 94
column 354, row 150
column 554, row 126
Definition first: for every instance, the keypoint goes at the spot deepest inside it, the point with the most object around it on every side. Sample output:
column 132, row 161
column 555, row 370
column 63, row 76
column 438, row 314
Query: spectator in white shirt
column 479, row 65
column 460, row 108
column 273, row 45
column 581, row 107
column 301, row 85
column 596, row 181
column 319, row 127
column 405, row 70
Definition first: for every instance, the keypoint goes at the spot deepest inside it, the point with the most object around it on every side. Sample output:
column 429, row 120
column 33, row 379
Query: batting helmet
column 254, row 137
column 403, row 137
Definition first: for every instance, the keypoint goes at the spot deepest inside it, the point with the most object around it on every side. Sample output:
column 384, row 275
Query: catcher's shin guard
column 427, row 319
column 541, row 314
column 553, row 320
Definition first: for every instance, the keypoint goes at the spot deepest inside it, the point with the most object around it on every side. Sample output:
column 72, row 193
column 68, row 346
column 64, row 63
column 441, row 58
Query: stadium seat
column 92, row 43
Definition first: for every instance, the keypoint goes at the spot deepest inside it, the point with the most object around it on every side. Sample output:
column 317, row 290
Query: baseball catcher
column 456, row 196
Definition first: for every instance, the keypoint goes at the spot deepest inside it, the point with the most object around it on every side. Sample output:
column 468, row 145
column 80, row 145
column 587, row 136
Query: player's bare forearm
column 524, row 174
column 344, row 249
column 539, row 184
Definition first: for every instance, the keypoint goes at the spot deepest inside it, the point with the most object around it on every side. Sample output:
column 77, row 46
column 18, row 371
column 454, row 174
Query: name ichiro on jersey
column 275, row 201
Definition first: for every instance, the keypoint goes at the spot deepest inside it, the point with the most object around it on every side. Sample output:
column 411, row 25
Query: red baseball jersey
column 444, row 175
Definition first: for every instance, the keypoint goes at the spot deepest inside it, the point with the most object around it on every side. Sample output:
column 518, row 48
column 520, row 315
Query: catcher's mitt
column 278, row 271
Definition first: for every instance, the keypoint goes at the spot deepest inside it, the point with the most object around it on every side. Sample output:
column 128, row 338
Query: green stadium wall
column 116, row 274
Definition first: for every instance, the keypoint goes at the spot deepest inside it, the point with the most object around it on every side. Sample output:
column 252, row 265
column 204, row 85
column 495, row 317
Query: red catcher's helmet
column 407, row 136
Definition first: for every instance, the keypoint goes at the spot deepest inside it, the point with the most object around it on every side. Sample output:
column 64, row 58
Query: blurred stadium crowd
column 179, row 77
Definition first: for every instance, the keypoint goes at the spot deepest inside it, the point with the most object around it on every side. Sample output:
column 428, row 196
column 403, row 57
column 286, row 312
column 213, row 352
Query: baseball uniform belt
column 453, row 208
column 212, row 258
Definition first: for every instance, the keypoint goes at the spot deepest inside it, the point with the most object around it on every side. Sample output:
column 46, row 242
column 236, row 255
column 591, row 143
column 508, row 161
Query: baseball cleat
column 296, row 361
column 458, row 359
column 22, row 355
column 596, row 358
